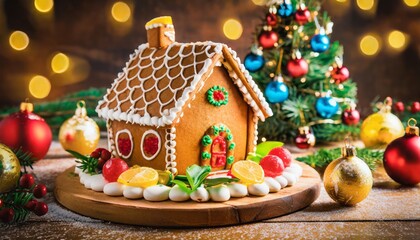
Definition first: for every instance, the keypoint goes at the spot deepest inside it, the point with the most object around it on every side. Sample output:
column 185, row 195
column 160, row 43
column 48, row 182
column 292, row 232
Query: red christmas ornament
column 26, row 130
column 283, row 154
column 297, row 67
column 113, row 169
column 305, row 139
column 302, row 16
column 271, row 19
column 350, row 116
column 268, row 39
column 340, row 74
column 415, row 107
column 399, row 107
column 272, row 165
column 402, row 157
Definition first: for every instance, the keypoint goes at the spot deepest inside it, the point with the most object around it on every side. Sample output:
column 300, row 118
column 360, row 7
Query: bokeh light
column 341, row 1
column 39, row 86
column 232, row 29
column 60, row 63
column 412, row 3
column 369, row 45
column 18, row 40
column 43, row 5
column 259, row 2
column 365, row 4
column 121, row 12
column 397, row 39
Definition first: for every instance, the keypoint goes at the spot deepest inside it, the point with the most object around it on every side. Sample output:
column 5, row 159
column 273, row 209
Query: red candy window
column 150, row 144
column 124, row 143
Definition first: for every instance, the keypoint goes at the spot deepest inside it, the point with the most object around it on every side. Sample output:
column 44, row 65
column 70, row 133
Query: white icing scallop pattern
column 170, row 150
column 174, row 72
column 111, row 142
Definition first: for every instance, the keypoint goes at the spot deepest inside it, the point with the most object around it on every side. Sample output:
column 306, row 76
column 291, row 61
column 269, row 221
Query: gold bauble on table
column 79, row 133
column 348, row 179
column 381, row 128
column 9, row 169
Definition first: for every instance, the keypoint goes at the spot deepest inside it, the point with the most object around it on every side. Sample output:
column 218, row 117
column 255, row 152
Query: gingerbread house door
column 218, row 153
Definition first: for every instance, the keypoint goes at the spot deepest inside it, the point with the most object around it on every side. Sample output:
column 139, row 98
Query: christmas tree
column 302, row 75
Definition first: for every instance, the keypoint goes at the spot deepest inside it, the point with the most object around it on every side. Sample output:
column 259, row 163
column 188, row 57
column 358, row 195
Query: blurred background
column 49, row 48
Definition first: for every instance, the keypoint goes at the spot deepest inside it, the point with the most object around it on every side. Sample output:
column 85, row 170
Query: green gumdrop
column 265, row 147
column 254, row 157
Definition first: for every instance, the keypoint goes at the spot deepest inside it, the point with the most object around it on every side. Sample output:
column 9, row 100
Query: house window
column 124, row 142
column 150, row 144
column 217, row 96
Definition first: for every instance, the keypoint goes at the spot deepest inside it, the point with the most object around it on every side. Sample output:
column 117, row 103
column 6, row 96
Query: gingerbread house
column 178, row 104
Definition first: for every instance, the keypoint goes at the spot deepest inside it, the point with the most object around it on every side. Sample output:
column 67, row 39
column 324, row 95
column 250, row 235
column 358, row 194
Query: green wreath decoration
column 217, row 96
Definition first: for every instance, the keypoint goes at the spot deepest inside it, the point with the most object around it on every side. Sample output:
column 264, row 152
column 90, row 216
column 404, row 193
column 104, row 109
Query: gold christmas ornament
column 9, row 169
column 381, row 128
column 348, row 180
column 79, row 133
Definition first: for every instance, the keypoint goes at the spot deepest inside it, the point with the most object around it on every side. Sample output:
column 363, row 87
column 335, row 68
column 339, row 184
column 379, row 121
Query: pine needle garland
column 324, row 156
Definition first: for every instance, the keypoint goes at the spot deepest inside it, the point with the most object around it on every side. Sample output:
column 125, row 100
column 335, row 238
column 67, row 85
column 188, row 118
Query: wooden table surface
column 390, row 211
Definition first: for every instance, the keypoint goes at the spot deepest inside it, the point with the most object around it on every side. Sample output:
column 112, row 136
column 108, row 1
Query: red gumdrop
column 272, row 165
column 283, row 154
column 113, row 169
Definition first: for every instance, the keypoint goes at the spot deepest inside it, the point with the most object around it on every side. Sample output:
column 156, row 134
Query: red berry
column 26, row 180
column 113, row 169
column 415, row 107
column 105, row 155
column 31, row 204
column 40, row 190
column 399, row 107
column 41, row 209
column 272, row 165
column 283, row 154
column 1, row 203
column 95, row 154
column 7, row 214
column 101, row 163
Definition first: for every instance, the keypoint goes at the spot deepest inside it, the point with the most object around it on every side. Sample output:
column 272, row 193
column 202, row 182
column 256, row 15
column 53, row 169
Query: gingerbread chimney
column 160, row 32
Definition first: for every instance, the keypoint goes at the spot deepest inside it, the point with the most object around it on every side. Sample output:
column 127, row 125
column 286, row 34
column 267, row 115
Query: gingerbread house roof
column 157, row 83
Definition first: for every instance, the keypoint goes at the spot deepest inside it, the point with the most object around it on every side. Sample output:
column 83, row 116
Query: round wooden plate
column 74, row 196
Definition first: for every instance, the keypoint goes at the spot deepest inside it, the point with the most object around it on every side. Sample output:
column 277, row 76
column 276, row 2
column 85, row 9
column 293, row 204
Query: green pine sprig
column 323, row 157
column 87, row 163
column 25, row 158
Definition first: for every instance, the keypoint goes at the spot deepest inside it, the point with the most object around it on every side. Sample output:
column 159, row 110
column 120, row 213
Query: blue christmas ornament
column 285, row 9
column 253, row 62
column 326, row 106
column 320, row 43
column 276, row 92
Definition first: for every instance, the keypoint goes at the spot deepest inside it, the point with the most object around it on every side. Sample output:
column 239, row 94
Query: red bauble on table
column 415, row 107
column 399, row 107
column 268, row 39
column 350, row 116
column 113, row 169
column 305, row 139
column 402, row 157
column 302, row 16
column 26, row 130
column 271, row 19
column 297, row 67
column 340, row 74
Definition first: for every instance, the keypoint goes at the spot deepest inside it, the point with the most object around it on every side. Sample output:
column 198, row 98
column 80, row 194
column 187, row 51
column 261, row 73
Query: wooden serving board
column 74, row 196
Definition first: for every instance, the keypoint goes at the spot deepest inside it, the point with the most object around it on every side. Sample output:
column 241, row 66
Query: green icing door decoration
column 217, row 148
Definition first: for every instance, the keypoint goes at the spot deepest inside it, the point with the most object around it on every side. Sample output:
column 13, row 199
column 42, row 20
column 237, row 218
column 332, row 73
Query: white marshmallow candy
column 258, row 189
column 157, row 193
column 133, row 192
column 272, row 184
column 291, row 178
column 219, row 193
column 177, row 195
column 114, row 189
column 282, row 180
column 237, row 190
column 200, row 195
column 98, row 183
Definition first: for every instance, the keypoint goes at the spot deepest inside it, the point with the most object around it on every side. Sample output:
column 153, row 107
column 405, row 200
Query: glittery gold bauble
column 381, row 128
column 348, row 180
column 79, row 133
column 9, row 169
